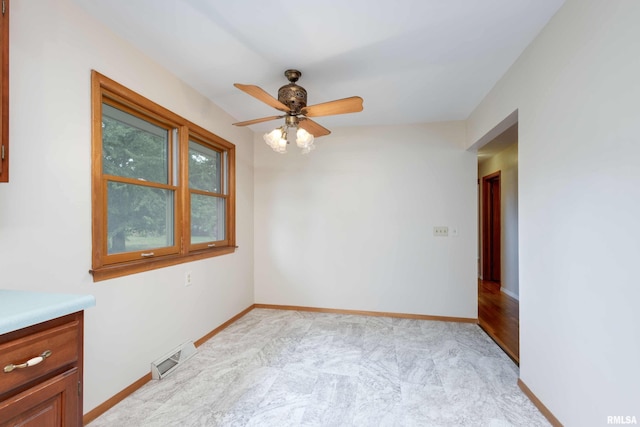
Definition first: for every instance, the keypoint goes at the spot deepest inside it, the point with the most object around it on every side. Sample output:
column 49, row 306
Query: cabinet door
column 53, row 403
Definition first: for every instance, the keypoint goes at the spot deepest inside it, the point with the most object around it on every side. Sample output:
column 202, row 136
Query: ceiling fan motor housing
column 292, row 95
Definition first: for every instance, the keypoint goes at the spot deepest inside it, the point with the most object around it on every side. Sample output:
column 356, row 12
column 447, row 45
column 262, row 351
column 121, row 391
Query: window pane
column 139, row 218
column 204, row 168
column 207, row 218
column 132, row 147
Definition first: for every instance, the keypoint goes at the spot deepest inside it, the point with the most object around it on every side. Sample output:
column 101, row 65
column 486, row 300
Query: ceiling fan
column 292, row 101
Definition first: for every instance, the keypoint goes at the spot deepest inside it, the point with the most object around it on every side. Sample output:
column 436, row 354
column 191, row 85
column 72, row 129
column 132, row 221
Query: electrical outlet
column 187, row 278
column 441, row 231
column 454, row 232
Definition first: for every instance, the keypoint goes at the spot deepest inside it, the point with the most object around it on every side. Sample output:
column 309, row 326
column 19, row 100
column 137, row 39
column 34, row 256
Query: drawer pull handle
column 31, row 362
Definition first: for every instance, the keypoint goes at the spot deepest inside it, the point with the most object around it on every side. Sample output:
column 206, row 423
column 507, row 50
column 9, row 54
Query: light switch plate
column 441, row 231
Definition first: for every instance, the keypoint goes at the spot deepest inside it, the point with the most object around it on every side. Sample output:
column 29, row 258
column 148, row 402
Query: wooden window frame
column 4, row 93
column 106, row 266
column 195, row 137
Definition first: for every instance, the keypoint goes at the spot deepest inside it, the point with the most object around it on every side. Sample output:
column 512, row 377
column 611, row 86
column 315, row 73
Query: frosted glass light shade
column 278, row 138
column 303, row 138
column 275, row 140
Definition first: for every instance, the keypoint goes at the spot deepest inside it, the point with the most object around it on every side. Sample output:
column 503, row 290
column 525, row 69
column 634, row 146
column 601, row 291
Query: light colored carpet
column 291, row 368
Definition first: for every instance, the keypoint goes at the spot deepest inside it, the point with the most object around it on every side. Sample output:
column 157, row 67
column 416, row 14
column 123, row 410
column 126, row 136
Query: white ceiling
column 411, row 60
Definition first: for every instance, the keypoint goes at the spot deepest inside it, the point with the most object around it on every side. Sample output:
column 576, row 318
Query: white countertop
column 20, row 309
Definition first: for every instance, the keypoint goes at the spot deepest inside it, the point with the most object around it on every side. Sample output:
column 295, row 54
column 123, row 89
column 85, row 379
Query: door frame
column 491, row 214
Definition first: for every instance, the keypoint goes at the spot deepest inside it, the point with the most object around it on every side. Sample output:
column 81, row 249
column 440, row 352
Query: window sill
column 127, row 268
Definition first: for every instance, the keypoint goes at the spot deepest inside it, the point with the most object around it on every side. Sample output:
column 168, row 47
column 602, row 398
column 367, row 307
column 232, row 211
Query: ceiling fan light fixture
column 276, row 139
column 292, row 101
column 303, row 138
column 308, row 149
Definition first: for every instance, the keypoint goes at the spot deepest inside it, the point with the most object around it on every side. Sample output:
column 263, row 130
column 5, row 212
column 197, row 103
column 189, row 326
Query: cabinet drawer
column 62, row 343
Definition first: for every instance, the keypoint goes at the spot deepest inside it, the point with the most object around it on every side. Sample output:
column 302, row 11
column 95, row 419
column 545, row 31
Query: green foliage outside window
column 155, row 201
column 139, row 216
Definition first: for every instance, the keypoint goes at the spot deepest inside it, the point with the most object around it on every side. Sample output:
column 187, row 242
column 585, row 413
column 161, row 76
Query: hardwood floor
column 499, row 316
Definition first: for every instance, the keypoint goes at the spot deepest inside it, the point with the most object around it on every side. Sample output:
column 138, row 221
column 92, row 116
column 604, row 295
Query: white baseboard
column 511, row 294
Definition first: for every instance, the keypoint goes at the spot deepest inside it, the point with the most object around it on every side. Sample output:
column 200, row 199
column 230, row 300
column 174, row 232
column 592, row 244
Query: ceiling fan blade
column 313, row 128
column 263, row 96
column 254, row 121
column 339, row 106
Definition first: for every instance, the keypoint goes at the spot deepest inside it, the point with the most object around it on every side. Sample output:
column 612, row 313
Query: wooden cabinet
column 48, row 391
column 4, row 92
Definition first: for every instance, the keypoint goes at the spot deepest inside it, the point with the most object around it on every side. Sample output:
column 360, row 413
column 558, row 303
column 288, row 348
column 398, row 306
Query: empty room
column 260, row 213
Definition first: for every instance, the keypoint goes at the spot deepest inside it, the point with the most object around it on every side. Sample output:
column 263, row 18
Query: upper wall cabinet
column 4, row 93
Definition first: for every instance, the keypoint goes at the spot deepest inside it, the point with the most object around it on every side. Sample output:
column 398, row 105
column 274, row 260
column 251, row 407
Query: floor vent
column 169, row 362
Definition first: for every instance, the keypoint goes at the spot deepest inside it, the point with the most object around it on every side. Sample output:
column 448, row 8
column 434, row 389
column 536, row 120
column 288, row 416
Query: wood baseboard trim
column 538, row 404
column 226, row 324
column 113, row 401
column 117, row 398
column 510, row 294
column 367, row 313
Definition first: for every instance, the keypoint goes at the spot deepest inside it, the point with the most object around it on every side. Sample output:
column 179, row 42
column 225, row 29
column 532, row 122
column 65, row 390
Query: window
column 163, row 187
column 4, row 92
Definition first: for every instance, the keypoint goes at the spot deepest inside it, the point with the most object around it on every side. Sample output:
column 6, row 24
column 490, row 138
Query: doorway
column 491, row 227
column 498, row 269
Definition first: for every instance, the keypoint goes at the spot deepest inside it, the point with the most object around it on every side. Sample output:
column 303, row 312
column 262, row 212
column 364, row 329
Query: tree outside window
column 163, row 188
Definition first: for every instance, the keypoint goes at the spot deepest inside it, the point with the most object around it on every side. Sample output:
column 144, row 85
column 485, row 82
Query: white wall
column 506, row 162
column 577, row 92
column 45, row 215
column 350, row 226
